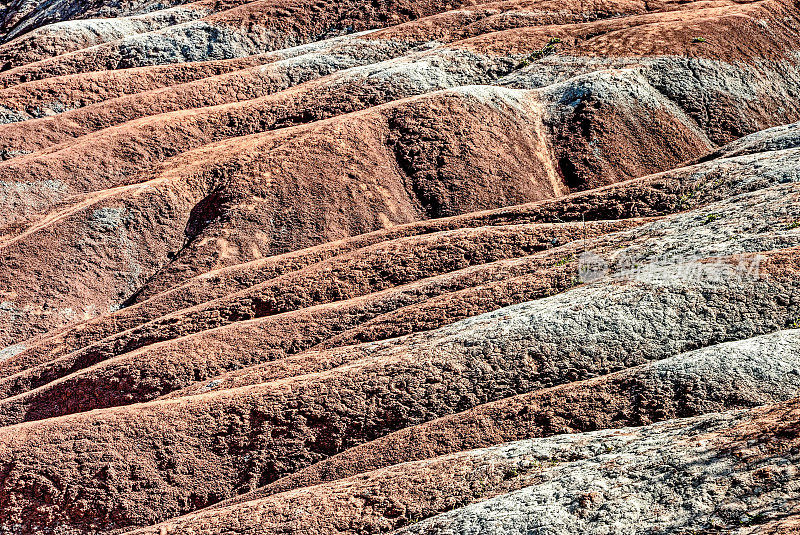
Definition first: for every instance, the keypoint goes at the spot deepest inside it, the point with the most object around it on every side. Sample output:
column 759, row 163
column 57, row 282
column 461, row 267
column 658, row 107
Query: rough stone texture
column 677, row 476
column 663, row 193
column 304, row 309
column 661, row 477
column 349, row 395
column 707, row 380
column 21, row 16
column 64, row 37
column 583, row 126
column 327, row 266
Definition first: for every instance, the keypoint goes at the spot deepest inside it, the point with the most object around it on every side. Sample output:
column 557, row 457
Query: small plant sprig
column 793, row 225
column 565, row 260
column 699, row 40
column 548, row 49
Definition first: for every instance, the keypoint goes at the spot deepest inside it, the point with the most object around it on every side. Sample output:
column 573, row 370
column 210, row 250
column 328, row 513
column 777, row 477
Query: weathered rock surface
column 707, row 380
column 295, row 266
column 660, row 477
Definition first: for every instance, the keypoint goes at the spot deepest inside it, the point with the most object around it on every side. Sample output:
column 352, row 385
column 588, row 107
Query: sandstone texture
column 412, row 267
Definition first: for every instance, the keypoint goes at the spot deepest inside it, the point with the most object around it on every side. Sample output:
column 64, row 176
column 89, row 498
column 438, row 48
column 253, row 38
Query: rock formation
column 338, row 267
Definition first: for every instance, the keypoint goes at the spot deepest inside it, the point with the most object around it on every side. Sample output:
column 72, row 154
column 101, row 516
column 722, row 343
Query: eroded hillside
column 294, row 266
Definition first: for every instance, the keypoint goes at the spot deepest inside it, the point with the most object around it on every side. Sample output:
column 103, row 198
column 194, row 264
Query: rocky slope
column 283, row 266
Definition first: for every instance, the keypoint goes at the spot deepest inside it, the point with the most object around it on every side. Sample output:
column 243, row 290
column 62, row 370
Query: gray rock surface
column 68, row 36
column 20, row 16
column 669, row 477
